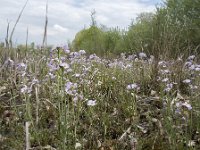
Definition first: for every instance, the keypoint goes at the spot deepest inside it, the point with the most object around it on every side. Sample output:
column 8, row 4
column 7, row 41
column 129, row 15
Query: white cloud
column 60, row 28
column 67, row 17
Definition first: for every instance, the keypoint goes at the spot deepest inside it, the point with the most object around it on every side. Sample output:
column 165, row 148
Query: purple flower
column 184, row 104
column 21, row 66
column 168, row 87
column 82, row 52
column 64, row 65
column 70, row 88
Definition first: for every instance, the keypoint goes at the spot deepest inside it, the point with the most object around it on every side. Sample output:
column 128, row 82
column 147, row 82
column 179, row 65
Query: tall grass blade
column 7, row 34
column 13, row 30
column 44, row 42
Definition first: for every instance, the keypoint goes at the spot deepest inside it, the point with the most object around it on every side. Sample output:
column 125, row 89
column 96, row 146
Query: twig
column 27, row 124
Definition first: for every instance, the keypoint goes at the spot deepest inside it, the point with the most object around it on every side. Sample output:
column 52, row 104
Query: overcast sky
column 67, row 17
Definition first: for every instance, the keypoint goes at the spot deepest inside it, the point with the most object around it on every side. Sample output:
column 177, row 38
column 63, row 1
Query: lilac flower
column 70, row 88
column 132, row 86
column 162, row 63
column 21, row 66
column 166, row 71
column 66, row 51
column 74, row 55
column 82, row 52
column 25, row 89
column 142, row 55
column 91, row 102
column 192, row 67
column 187, row 105
column 64, row 65
column 183, row 104
column 168, row 87
column 52, row 76
column 52, row 67
column 197, row 69
column 188, row 64
column 34, row 81
column 9, row 62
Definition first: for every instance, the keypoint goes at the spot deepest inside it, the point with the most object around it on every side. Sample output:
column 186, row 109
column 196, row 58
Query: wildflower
column 166, row 71
column 74, row 54
column 132, row 86
column 161, row 63
column 184, row 104
column 142, row 55
column 70, row 88
column 67, row 51
column 52, row 66
column 25, row 89
column 34, row 81
column 168, row 87
column 192, row 67
column 91, row 102
column 165, row 80
column 52, row 76
column 188, row 63
column 64, row 65
column 9, row 62
column 197, row 69
column 113, row 78
column 187, row 105
column 187, row 81
column 191, row 143
column 82, row 52
column 21, row 66
column 190, row 58
column 77, row 145
column 77, row 75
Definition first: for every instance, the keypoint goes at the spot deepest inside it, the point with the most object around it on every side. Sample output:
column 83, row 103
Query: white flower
column 25, row 89
column 91, row 102
column 77, row 145
column 192, row 67
column 191, row 57
column 132, row 86
column 187, row 81
column 165, row 80
column 191, row 143
column 67, row 51
column 187, row 105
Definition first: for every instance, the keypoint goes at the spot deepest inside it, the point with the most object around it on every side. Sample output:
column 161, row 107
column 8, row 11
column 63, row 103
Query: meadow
column 108, row 89
column 61, row 99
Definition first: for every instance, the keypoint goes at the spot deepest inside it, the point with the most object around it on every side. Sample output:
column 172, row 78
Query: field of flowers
column 64, row 100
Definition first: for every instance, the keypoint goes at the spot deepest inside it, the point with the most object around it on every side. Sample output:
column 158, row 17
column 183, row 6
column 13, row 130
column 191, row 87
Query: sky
column 67, row 17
